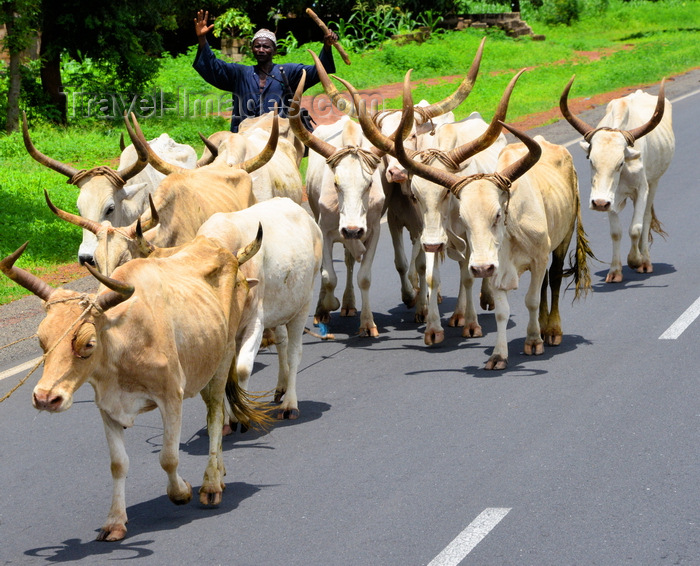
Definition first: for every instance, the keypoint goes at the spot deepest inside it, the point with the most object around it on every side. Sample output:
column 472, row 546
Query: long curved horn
column 656, row 117
column 444, row 178
column 155, row 219
column 520, row 167
column 245, row 253
column 457, row 97
column 142, row 157
column 89, row 225
column 370, row 129
column 119, row 293
column 30, row 282
column 579, row 125
column 139, row 141
column 213, row 151
column 57, row 166
column 144, row 245
column 467, row 150
column 307, row 138
column 333, row 93
column 250, row 165
column 122, row 145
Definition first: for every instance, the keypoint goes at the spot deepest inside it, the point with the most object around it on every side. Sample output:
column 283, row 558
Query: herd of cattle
column 202, row 261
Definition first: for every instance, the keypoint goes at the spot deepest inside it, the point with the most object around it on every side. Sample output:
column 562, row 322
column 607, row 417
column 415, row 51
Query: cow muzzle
column 86, row 258
column 485, row 270
column 50, row 401
column 601, row 205
column 433, row 248
column 352, row 233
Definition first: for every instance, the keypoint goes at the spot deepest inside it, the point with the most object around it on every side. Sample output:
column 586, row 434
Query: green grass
column 645, row 41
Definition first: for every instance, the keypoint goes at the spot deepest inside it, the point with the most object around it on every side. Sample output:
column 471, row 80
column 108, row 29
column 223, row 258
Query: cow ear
column 586, row 147
column 252, row 282
column 131, row 190
column 631, row 154
column 457, row 246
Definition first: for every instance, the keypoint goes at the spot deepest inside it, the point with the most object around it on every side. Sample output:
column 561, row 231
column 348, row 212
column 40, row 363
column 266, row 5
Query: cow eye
column 84, row 341
column 110, row 210
column 497, row 218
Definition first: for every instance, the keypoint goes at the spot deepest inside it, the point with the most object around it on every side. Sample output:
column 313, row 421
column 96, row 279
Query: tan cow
column 163, row 331
column 184, row 201
column 118, row 196
column 629, row 151
column 514, row 219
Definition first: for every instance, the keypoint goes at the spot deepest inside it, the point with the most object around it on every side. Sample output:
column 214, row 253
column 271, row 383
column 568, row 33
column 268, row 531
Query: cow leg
column 645, row 265
column 636, row 231
column 533, row 342
column 469, row 319
column 434, row 334
column 486, row 300
column 364, row 280
column 115, row 526
column 499, row 357
column 327, row 301
column 179, row 491
column 418, row 262
column 550, row 318
column 213, row 394
column 287, row 380
column 615, row 272
column 348, row 307
column 408, row 293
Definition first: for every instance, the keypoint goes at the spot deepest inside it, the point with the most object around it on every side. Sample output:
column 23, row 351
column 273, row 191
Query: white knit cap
column 265, row 34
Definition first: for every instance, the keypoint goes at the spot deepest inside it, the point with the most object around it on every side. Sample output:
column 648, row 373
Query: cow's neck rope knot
column 86, row 301
column 503, row 183
column 369, row 160
column 428, row 155
column 425, row 118
column 629, row 138
column 115, row 177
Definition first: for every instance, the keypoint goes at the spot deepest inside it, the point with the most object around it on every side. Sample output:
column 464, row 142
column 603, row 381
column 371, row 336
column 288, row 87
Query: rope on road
column 17, row 341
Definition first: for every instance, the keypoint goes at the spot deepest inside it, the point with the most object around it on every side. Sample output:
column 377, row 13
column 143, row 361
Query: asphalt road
column 586, row 455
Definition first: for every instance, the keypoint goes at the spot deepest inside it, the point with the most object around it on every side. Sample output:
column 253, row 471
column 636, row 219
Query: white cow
column 343, row 183
column 629, row 151
column 514, row 219
column 116, row 196
column 285, row 268
column 467, row 147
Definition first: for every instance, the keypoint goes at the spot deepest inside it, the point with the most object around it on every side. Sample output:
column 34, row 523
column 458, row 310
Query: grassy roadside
column 640, row 42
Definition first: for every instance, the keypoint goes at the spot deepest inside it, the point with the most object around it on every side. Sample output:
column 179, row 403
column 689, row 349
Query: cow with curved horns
column 514, row 219
column 400, row 211
column 160, row 331
column 468, row 147
column 343, row 183
column 629, row 151
column 182, row 203
column 120, row 195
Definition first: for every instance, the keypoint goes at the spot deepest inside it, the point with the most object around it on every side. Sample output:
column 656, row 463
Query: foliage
column 287, row 44
column 235, row 23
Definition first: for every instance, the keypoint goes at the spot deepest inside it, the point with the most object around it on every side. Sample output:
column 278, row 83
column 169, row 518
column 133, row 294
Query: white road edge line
column 465, row 541
column 17, row 369
column 682, row 322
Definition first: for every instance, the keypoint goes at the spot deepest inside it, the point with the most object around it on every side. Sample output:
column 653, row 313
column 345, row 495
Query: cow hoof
column 286, row 414
column 536, row 348
column 371, row 332
column 419, row 317
column 553, row 339
column 210, row 499
column 456, row 320
column 182, row 499
column 486, row 302
column 496, row 363
column 227, row 430
column 111, row 533
column 348, row 311
column 410, row 301
column 433, row 337
column 614, row 277
column 646, row 267
column 472, row 330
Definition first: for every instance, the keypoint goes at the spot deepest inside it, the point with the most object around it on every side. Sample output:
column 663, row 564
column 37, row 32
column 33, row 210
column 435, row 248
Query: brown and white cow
column 286, row 268
column 514, row 219
column 629, row 150
column 343, row 183
column 163, row 331
column 182, row 203
column 118, row 196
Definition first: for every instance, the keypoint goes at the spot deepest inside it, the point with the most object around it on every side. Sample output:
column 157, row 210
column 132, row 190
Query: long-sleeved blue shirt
column 244, row 83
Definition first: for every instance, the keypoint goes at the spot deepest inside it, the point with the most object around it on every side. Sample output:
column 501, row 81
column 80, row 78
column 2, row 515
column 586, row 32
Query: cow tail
column 656, row 226
column 245, row 407
column 578, row 258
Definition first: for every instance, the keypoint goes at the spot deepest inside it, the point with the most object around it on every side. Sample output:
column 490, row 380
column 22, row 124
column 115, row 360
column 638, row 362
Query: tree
column 20, row 18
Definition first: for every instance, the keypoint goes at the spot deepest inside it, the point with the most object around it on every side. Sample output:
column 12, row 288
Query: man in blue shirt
column 256, row 89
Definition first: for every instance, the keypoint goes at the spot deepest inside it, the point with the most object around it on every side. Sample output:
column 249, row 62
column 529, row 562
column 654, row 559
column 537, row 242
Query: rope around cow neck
column 369, row 160
column 497, row 179
column 629, row 138
column 85, row 300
